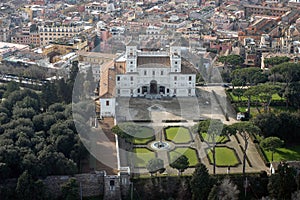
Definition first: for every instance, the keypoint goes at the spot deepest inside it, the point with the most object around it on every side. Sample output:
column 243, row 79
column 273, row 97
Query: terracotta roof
column 96, row 55
column 107, row 80
column 149, row 61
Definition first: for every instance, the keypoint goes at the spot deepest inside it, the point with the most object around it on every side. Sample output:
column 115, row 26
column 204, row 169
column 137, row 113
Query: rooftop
column 149, row 61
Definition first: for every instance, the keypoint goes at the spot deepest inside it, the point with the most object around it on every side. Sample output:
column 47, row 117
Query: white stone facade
column 155, row 73
column 107, row 107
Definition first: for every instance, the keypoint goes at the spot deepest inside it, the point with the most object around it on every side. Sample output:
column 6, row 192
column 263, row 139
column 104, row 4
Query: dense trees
column 271, row 144
column 232, row 60
column 262, row 94
column 181, row 164
column 276, row 60
column 201, row 182
column 249, row 75
column 42, row 142
column 225, row 191
column 282, row 184
column 29, row 189
column 67, row 90
column 284, row 125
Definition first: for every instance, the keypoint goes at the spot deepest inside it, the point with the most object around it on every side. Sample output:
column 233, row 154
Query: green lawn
column 190, row 153
column 178, row 134
column 275, row 109
column 288, row 154
column 224, row 157
column 144, row 136
column 142, row 156
column 219, row 139
column 275, row 97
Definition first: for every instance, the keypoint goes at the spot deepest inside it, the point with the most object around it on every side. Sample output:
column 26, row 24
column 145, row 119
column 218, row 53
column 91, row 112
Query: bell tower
column 175, row 58
column 131, row 57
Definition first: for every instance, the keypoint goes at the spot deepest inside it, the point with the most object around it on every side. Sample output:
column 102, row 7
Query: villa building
column 150, row 74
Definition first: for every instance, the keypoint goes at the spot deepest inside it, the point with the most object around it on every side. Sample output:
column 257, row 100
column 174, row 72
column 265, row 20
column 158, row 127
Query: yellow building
column 64, row 46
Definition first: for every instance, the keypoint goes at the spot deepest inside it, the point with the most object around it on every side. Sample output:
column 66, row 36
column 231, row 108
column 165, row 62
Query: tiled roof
column 96, row 55
column 107, row 80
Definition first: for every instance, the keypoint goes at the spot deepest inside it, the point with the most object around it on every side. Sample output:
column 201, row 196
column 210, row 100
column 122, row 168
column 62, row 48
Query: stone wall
column 92, row 184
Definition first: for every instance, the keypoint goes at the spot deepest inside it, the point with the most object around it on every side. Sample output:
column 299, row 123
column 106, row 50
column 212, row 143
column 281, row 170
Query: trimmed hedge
column 173, row 120
column 262, row 154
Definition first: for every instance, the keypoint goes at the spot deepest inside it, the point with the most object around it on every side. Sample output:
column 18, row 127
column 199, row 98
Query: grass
column 287, row 154
column 274, row 109
column 235, row 98
column 145, row 135
column 178, row 134
column 219, row 139
column 224, row 157
column 142, row 156
column 190, row 153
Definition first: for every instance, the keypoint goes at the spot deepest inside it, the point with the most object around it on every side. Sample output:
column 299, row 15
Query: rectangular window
column 131, row 78
column 153, row 73
column 145, row 73
column 118, row 78
column 190, row 78
column 107, row 103
column 162, row 73
column 175, row 78
column 118, row 91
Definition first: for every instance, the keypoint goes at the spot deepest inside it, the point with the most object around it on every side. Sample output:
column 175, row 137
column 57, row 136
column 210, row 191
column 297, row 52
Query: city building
column 51, row 33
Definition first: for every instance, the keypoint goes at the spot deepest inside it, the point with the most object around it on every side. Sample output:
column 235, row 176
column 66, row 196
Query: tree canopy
column 201, row 182
column 271, row 144
column 232, row 60
column 181, row 163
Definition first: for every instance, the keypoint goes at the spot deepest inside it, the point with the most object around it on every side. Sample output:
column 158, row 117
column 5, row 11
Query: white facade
column 155, row 73
column 107, row 107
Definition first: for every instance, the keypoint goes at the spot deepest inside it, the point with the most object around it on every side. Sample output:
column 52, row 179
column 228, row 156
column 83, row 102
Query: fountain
column 156, row 112
column 161, row 145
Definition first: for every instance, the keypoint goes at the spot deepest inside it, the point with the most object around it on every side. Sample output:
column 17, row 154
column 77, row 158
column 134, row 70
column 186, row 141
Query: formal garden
column 179, row 139
column 189, row 152
column 178, row 135
column 142, row 157
column 225, row 156
column 218, row 139
column 144, row 135
column 272, row 99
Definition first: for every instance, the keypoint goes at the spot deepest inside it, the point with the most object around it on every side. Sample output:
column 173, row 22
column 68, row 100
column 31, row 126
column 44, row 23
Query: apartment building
column 52, row 33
